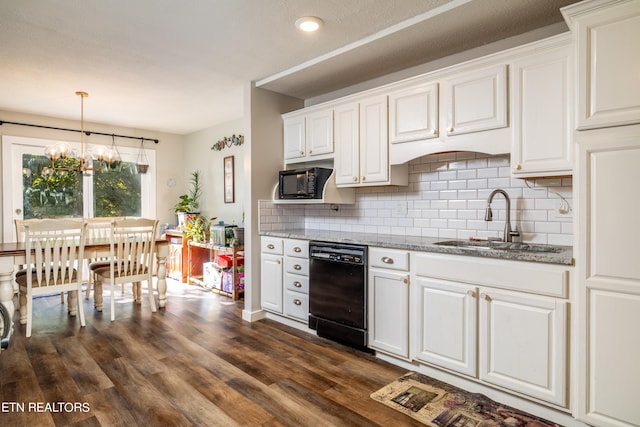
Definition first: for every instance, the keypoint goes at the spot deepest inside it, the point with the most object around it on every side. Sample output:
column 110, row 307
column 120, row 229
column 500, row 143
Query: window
column 32, row 189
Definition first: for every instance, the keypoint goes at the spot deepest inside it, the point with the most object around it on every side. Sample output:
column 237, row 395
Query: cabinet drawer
column 296, row 248
column 296, row 305
column 271, row 245
column 296, row 282
column 296, row 266
column 389, row 259
column 536, row 278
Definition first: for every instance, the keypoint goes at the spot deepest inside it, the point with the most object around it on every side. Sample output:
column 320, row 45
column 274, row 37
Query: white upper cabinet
column 476, row 100
column 374, row 141
column 319, row 132
column 294, row 137
column 608, row 64
column 362, row 145
column 347, row 156
column 541, row 99
column 413, row 113
column 308, row 135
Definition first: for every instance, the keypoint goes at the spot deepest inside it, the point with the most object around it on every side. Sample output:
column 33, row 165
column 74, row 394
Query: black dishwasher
column 338, row 292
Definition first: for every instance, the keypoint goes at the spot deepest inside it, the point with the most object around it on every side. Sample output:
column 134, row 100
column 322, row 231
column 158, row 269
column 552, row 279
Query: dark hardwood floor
column 193, row 363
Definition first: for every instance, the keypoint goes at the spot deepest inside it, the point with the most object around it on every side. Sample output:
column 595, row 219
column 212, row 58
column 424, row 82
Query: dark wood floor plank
column 195, row 362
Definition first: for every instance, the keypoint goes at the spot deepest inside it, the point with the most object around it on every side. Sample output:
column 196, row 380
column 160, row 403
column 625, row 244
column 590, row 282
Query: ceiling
column 181, row 66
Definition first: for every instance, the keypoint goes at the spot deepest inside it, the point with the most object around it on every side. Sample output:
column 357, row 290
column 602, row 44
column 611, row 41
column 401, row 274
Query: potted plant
column 198, row 229
column 187, row 208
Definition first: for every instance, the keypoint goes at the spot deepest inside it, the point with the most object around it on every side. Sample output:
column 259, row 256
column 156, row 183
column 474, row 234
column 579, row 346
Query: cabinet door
column 609, row 277
column 608, row 64
column 476, row 101
column 542, row 125
column 319, row 133
column 523, row 344
column 413, row 114
column 347, row 148
column 374, row 141
column 446, row 324
column 294, row 137
column 271, row 282
column 389, row 312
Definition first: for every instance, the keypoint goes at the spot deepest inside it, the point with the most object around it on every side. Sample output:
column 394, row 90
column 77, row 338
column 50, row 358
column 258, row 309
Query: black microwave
column 305, row 183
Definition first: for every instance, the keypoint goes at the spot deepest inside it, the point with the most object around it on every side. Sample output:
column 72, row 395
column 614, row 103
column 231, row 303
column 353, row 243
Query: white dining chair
column 132, row 250
column 20, row 223
column 54, row 252
column 98, row 228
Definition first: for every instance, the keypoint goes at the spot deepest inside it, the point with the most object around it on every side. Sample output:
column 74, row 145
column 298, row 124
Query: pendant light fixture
column 60, row 152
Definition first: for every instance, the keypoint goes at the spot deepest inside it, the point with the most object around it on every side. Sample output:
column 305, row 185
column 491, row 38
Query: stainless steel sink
column 500, row 246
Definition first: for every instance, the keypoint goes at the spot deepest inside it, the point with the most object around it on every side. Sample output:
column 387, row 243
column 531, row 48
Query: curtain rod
column 86, row 132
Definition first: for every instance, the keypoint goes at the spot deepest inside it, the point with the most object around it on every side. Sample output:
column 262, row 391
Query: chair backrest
column 133, row 246
column 55, row 249
column 100, row 227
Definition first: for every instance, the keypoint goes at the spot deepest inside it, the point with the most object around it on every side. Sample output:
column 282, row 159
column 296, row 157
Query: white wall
column 169, row 151
column 200, row 156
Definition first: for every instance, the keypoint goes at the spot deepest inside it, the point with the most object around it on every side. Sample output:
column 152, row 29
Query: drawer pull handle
column 297, row 249
column 271, row 246
column 297, row 267
column 297, row 302
column 387, row 260
column 297, row 284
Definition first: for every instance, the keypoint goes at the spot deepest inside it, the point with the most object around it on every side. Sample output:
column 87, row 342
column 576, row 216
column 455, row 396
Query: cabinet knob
column 450, row 129
column 302, row 153
column 297, row 267
column 485, row 297
column 297, row 284
column 364, row 178
column 310, row 151
column 297, row 249
column 387, row 260
column 355, row 179
column 278, row 261
column 471, row 293
column 270, row 246
column 519, row 167
column 297, row 302
column 405, row 280
column 434, row 132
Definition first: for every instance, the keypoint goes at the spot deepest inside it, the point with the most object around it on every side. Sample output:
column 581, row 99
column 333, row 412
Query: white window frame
column 13, row 147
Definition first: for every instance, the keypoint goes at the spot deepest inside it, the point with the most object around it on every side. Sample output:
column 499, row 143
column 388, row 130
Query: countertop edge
column 423, row 244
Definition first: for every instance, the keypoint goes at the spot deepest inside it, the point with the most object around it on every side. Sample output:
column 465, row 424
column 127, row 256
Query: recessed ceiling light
column 308, row 23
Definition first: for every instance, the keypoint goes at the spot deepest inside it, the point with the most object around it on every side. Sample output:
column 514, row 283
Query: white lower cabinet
column 285, row 277
column 522, row 343
column 271, row 266
column 447, row 323
column 296, row 279
column 388, row 297
column 464, row 320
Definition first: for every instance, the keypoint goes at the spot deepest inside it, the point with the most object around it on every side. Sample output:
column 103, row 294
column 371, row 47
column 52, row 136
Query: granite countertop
column 563, row 255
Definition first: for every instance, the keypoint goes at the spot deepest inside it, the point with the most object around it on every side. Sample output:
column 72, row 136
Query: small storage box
column 221, row 234
column 227, row 260
column 211, row 275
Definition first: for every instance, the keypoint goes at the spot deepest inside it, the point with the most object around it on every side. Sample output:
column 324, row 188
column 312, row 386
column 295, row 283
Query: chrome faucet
column 488, row 216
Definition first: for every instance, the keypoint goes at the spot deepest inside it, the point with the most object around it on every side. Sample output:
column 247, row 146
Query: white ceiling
column 180, row 66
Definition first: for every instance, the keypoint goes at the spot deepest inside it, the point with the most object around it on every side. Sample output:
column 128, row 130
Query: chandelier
column 60, row 152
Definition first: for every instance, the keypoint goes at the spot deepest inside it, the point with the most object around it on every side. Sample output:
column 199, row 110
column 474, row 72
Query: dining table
column 12, row 255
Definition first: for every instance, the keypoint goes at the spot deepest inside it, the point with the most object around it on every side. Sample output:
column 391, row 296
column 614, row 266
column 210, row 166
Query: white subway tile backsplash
column 446, row 198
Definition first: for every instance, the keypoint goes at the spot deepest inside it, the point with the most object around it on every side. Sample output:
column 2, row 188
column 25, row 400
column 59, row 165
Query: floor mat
column 435, row 403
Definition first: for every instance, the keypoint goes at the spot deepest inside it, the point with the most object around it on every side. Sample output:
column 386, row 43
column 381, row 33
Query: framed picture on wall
column 228, row 180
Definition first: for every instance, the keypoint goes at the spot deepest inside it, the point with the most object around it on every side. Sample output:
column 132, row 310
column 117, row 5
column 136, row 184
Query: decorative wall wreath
column 228, row 141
